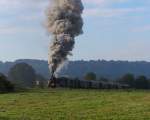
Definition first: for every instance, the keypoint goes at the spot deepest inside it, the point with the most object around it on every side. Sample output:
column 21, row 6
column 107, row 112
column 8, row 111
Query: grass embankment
column 67, row 104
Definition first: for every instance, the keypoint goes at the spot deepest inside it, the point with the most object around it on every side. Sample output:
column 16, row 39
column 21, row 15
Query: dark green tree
column 90, row 76
column 142, row 82
column 128, row 79
column 5, row 85
column 22, row 75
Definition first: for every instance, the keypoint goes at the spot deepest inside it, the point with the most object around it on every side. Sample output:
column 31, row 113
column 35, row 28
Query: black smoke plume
column 64, row 23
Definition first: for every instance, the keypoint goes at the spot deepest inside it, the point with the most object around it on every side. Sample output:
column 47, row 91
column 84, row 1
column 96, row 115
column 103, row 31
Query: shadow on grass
column 4, row 118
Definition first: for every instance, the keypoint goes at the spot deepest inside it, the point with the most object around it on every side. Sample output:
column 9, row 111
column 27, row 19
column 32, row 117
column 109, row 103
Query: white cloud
column 14, row 29
column 103, row 2
column 7, row 30
column 19, row 11
column 94, row 1
column 21, row 4
column 110, row 12
column 31, row 10
column 141, row 28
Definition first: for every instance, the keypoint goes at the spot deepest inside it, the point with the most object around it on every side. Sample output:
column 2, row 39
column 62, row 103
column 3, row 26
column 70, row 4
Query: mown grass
column 67, row 104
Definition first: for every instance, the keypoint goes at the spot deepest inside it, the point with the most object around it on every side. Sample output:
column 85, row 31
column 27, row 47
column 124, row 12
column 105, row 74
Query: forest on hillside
column 102, row 68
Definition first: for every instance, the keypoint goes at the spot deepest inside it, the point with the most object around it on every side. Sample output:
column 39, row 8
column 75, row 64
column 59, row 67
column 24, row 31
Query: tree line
column 135, row 82
column 23, row 75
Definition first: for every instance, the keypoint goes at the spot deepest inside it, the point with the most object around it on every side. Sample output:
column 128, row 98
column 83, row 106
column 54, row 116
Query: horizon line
column 107, row 60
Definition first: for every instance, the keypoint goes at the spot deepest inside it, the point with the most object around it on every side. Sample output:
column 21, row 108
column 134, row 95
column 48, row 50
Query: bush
column 127, row 79
column 90, row 76
column 5, row 85
column 142, row 83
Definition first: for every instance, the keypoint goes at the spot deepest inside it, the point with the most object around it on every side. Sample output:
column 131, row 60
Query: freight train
column 84, row 84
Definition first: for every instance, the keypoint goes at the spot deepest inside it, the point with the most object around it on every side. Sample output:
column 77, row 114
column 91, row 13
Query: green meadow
column 75, row 104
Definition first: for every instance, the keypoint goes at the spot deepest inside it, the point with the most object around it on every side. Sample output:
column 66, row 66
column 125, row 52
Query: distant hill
column 109, row 69
column 40, row 66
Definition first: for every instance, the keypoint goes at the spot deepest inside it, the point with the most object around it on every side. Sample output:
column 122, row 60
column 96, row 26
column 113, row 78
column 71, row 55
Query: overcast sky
column 113, row 30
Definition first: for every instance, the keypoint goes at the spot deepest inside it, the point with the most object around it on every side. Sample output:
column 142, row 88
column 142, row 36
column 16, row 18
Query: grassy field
column 67, row 104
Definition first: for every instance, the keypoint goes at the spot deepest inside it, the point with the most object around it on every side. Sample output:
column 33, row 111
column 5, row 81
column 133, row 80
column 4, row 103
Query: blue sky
column 113, row 30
